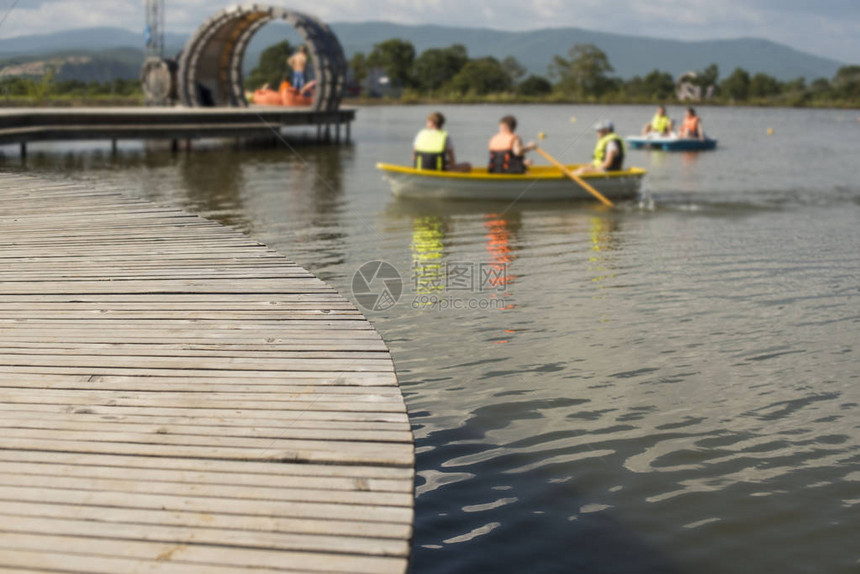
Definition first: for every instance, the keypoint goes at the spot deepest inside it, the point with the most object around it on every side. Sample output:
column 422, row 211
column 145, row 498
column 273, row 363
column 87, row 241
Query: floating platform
column 175, row 397
column 25, row 125
column 671, row 143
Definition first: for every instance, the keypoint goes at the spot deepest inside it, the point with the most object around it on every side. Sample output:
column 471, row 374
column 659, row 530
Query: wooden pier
column 25, row 125
column 175, row 397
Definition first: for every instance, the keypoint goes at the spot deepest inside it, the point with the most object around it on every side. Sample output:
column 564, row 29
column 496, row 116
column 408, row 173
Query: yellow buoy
column 572, row 120
column 541, row 136
column 770, row 131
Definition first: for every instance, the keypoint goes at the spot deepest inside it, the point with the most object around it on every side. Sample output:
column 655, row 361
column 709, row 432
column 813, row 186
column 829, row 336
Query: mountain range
column 629, row 55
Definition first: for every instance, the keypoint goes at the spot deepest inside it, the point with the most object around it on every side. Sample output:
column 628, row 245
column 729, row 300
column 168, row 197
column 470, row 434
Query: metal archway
column 210, row 67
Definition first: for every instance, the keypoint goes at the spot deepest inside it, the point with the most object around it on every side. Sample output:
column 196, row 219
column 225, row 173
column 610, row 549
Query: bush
column 481, row 77
column 534, row 86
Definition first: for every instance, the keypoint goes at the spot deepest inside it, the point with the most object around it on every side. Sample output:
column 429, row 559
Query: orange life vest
column 691, row 126
column 502, row 158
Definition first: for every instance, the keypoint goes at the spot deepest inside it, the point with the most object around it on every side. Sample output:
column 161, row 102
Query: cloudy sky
column 824, row 27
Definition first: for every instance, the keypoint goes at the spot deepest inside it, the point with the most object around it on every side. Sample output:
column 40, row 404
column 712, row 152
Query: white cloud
column 829, row 27
column 54, row 15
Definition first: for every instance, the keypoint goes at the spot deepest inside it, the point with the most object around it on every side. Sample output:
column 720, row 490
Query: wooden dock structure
column 25, row 125
column 175, row 397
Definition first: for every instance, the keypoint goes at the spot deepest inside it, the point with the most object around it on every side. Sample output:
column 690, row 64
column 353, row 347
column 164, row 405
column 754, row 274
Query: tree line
column 40, row 88
column 584, row 74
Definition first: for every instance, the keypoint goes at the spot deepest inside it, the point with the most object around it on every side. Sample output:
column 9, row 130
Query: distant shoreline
column 97, row 102
column 374, row 102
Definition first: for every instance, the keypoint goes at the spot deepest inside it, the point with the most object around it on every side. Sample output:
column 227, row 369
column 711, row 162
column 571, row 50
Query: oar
column 572, row 175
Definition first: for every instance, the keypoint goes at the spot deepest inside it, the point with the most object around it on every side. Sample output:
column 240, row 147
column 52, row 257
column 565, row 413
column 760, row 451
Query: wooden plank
column 80, row 553
column 178, row 384
column 176, row 397
column 302, row 412
column 318, row 451
column 230, row 468
column 185, row 519
column 209, row 505
column 199, row 432
column 186, row 488
column 213, row 363
column 321, row 480
column 206, row 536
column 361, row 378
column 190, row 424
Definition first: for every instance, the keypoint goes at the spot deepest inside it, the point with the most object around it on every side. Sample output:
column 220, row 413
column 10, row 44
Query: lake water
column 670, row 386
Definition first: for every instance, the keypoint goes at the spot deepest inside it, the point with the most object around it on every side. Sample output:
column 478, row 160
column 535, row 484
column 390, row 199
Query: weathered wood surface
column 175, row 397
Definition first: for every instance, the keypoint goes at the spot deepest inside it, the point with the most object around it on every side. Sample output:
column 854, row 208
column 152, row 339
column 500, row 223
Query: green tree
column 819, row 86
column 534, row 86
column 764, row 86
column 737, row 86
column 515, row 70
column 360, row 69
column 795, row 85
column 436, row 66
column 634, row 87
column 585, row 73
column 658, row 85
column 846, row 82
column 272, row 67
column 396, row 57
column 482, row 76
column 707, row 77
column 39, row 90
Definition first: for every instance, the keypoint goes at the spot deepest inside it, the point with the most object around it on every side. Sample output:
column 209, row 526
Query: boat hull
column 540, row 184
column 671, row 143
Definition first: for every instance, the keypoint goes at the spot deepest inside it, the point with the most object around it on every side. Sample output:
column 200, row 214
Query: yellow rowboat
column 541, row 183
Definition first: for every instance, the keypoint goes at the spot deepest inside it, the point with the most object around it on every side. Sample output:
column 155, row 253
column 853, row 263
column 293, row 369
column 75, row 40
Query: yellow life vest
column 600, row 151
column 430, row 149
column 660, row 124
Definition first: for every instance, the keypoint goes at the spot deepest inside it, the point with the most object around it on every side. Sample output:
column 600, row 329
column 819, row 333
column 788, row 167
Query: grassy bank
column 565, row 100
column 68, row 101
column 106, row 101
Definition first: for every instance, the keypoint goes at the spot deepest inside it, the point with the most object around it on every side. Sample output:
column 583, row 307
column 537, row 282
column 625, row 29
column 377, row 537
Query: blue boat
column 670, row 143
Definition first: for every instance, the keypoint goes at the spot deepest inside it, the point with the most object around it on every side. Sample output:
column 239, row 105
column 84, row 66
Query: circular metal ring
column 210, row 67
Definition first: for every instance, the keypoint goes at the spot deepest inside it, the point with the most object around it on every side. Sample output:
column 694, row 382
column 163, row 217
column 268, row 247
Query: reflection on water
column 666, row 390
column 501, row 232
column 428, row 251
column 604, row 240
column 216, row 190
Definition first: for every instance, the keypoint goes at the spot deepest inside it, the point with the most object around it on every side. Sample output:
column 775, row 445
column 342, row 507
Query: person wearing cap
column 609, row 151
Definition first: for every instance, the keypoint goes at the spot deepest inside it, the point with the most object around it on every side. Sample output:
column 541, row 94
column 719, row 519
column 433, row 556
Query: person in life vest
column 692, row 127
column 659, row 124
column 609, row 151
column 507, row 152
column 433, row 149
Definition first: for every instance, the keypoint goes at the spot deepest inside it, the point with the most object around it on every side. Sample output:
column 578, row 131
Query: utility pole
column 158, row 76
column 154, row 32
